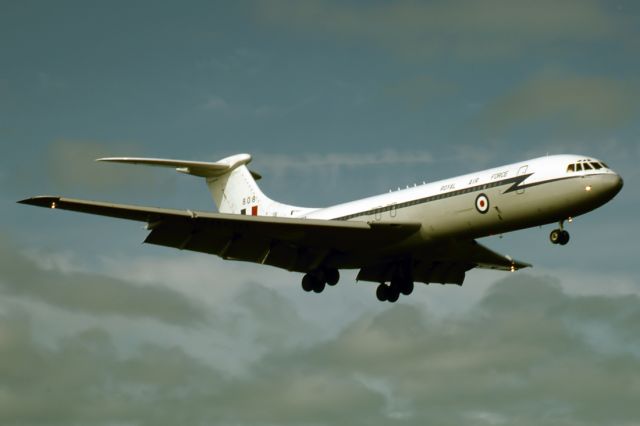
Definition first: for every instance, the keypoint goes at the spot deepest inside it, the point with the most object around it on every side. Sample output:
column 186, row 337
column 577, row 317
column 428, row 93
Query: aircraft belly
column 459, row 217
column 538, row 205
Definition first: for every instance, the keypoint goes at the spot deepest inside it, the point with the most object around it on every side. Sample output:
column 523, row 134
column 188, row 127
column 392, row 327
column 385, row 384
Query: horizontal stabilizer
column 195, row 168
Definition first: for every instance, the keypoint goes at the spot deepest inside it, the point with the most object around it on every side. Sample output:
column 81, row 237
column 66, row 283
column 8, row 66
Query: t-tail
column 232, row 185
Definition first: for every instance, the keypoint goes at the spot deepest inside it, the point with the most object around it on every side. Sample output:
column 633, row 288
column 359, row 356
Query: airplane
column 426, row 233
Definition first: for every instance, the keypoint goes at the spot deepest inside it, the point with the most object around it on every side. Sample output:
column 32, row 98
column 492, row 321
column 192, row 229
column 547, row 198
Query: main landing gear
column 391, row 292
column 559, row 236
column 318, row 279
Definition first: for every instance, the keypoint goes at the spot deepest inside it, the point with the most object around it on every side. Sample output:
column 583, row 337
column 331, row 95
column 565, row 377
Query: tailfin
column 232, row 185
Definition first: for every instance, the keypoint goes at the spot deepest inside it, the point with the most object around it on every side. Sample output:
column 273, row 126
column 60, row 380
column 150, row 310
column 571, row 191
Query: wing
column 485, row 258
column 445, row 263
column 293, row 244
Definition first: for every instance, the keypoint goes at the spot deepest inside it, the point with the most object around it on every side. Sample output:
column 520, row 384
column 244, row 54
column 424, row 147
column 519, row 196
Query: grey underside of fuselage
column 454, row 218
column 439, row 248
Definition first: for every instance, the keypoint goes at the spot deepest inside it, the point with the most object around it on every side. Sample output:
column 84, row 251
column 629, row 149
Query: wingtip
column 40, row 200
column 121, row 159
column 523, row 265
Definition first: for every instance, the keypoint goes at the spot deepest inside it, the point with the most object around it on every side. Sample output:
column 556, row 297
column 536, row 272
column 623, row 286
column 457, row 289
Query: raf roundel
column 482, row 203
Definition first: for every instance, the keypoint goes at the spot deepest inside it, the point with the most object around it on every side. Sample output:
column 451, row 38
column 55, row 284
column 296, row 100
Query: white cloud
column 216, row 103
column 592, row 283
column 71, row 165
column 91, row 293
column 313, row 161
column 507, row 352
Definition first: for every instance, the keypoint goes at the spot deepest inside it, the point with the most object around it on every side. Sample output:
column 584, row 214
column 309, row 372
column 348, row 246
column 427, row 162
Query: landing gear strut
column 559, row 236
column 318, row 279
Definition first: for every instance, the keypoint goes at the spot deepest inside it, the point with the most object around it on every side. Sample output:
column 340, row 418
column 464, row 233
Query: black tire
column 555, row 236
column 382, row 292
column 318, row 286
column 308, row 283
column 407, row 288
column 393, row 294
column 564, row 238
column 332, row 276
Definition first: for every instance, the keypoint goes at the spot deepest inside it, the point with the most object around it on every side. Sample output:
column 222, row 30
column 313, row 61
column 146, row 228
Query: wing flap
column 446, row 263
column 481, row 256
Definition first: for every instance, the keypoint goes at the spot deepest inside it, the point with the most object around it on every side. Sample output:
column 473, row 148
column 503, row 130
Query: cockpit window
column 584, row 165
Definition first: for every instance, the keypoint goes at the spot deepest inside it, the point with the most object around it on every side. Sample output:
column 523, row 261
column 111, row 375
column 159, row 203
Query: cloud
column 216, row 103
column 336, row 168
column 524, row 354
column 85, row 380
column 71, row 165
column 527, row 353
column 469, row 28
column 312, row 162
column 564, row 102
column 92, row 293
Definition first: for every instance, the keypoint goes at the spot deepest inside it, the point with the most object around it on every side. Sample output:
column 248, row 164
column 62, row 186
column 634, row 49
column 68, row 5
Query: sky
column 335, row 100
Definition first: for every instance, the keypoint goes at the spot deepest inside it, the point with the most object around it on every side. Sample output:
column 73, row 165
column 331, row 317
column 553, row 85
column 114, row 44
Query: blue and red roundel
column 482, row 203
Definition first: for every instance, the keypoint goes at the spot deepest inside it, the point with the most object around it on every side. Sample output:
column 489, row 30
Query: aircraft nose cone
column 614, row 184
column 603, row 187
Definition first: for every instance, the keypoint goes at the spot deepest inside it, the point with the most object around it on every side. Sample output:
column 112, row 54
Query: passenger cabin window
column 571, row 168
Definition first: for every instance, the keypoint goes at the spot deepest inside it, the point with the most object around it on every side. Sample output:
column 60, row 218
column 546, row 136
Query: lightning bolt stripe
column 516, row 182
column 529, row 185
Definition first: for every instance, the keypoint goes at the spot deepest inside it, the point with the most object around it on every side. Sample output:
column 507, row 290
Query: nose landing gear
column 559, row 236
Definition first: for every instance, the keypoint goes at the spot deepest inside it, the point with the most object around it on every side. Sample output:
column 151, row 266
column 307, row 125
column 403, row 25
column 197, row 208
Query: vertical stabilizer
column 237, row 192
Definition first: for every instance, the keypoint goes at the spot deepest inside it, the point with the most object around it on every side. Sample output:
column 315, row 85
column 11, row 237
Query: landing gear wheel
column 332, row 276
column 308, row 283
column 382, row 292
column 318, row 286
column 559, row 236
column 393, row 294
column 406, row 288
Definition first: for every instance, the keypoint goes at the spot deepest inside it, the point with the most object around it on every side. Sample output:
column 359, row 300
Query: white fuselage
column 421, row 234
column 501, row 199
